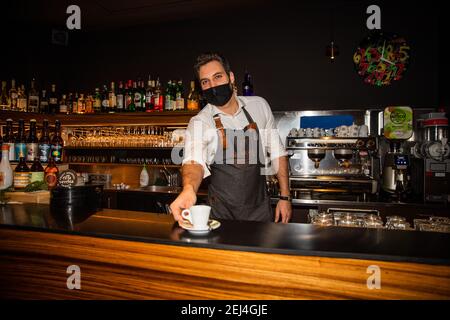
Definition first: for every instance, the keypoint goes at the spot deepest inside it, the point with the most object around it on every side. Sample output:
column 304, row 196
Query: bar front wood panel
column 33, row 266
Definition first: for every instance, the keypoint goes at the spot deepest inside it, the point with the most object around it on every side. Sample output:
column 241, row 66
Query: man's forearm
column 192, row 174
column 283, row 176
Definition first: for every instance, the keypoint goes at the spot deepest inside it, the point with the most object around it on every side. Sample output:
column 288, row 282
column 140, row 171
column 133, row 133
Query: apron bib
column 238, row 189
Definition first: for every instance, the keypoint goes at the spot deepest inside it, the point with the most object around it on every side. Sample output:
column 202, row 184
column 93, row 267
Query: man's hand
column 186, row 199
column 284, row 209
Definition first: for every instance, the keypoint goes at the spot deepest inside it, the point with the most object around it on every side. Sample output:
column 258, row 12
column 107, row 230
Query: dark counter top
column 294, row 239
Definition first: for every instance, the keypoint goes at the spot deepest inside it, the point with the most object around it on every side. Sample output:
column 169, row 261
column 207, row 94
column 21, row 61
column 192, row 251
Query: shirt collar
column 241, row 104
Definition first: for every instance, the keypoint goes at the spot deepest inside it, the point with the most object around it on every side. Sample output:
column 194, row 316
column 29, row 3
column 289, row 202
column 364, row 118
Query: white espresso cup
column 198, row 216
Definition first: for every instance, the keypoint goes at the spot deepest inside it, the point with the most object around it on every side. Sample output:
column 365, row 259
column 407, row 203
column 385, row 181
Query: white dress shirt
column 201, row 139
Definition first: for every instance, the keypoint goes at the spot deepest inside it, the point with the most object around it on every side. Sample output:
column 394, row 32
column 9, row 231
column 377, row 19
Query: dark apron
column 238, row 189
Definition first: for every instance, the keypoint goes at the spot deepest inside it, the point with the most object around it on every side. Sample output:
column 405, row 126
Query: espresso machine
column 431, row 158
column 396, row 176
column 330, row 167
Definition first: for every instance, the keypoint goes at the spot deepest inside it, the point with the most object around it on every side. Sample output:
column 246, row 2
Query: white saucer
column 213, row 224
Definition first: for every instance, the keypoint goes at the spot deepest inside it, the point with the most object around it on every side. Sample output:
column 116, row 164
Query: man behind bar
column 229, row 140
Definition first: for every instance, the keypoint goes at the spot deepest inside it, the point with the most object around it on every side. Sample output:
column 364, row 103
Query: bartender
column 231, row 139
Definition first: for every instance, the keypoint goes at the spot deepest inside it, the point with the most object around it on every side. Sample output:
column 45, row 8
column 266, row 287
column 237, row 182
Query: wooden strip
column 33, row 266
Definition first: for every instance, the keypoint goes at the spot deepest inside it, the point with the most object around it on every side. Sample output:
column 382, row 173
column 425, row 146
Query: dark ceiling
column 108, row 14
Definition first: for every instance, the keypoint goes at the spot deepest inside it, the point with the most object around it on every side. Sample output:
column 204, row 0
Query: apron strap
column 221, row 130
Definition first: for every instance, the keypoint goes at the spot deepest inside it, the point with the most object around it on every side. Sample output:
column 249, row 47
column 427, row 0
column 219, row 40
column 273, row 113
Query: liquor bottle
column 97, row 101
column 130, row 96
column 63, row 109
column 81, row 104
column 6, row 173
column 112, row 98
column 137, row 96
column 75, row 104
column 89, row 103
column 9, row 139
column 158, row 100
column 44, row 143
column 13, row 96
column 119, row 98
column 179, row 97
column 32, row 142
column 36, row 171
column 149, row 97
column 57, row 143
column 21, row 99
column 168, row 97
column 51, row 173
column 193, row 101
column 143, row 92
column 33, row 98
column 126, row 97
column 21, row 175
column 105, row 99
column 247, row 85
column 43, row 106
column 21, row 142
column 69, row 102
column 53, row 100
column 4, row 100
column 173, row 96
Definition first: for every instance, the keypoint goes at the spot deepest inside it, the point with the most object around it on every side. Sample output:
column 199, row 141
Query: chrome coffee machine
column 331, row 167
column 431, row 158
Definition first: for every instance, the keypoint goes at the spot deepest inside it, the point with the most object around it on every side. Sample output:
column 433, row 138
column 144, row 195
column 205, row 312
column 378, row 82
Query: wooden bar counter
column 137, row 255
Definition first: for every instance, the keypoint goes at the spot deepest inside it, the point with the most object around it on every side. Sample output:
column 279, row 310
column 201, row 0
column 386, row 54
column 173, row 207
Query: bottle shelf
column 119, row 148
column 165, row 118
column 124, row 164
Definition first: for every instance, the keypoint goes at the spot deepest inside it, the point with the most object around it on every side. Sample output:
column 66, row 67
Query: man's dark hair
column 207, row 57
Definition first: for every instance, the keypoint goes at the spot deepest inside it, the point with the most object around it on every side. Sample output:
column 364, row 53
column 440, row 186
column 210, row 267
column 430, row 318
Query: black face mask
column 218, row 95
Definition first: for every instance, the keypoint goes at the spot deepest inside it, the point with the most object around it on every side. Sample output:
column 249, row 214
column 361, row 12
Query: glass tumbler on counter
column 323, row 219
column 397, row 223
column 433, row 224
column 373, row 221
column 346, row 219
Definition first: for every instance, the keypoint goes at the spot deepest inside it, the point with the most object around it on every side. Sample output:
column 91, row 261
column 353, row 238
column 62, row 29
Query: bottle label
column 22, row 104
column 119, row 101
column 53, row 101
column 21, row 179
column 37, row 176
column 63, row 108
column 167, row 104
column 137, row 99
column 192, row 105
column 44, row 152
column 105, row 103
column 56, row 152
column 12, row 152
column 112, row 101
column 21, row 150
column 127, row 101
column 32, row 151
column 33, row 103
column 180, row 103
column 51, row 179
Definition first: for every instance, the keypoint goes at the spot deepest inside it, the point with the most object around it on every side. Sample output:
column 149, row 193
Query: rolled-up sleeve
column 196, row 144
column 272, row 136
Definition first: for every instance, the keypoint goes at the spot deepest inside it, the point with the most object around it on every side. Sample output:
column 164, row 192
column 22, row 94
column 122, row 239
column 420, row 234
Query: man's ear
column 232, row 77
